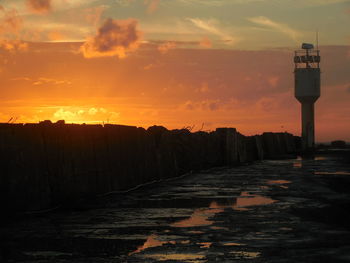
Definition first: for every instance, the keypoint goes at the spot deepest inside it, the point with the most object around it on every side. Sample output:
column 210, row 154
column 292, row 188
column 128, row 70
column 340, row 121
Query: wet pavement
column 271, row 211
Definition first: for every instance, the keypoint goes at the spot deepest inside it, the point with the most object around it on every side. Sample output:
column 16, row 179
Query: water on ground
column 271, row 211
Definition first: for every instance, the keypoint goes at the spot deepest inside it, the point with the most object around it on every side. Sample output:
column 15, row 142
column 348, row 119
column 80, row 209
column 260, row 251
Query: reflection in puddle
column 297, row 165
column 246, row 255
column 285, row 228
column 151, row 241
column 330, row 173
column 196, row 232
column 200, row 217
column 233, row 244
column 320, row 158
column 205, row 244
column 246, row 200
column 193, row 258
column 279, row 182
column 298, row 162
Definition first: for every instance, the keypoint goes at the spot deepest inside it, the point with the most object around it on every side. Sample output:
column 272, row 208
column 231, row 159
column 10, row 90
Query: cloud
column 114, row 38
column 93, row 111
column 13, row 45
column 123, row 2
column 273, row 81
column 219, row 3
column 206, row 43
column 165, row 47
column 42, row 81
column 10, row 27
column 152, row 5
column 204, row 88
column 205, row 2
column 204, row 105
column 39, row 6
column 93, row 14
column 11, row 22
column 279, row 27
column 212, row 26
column 88, row 115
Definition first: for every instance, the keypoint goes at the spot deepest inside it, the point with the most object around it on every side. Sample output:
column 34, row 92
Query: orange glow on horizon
column 174, row 89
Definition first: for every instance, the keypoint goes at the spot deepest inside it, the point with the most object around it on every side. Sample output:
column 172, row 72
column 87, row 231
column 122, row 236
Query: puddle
column 205, row 244
column 278, row 182
column 320, row 158
column 193, row 258
column 330, row 173
column 285, row 228
column 247, row 200
column 200, row 217
column 151, row 241
column 298, row 162
column 196, row 232
column 246, row 255
column 297, row 165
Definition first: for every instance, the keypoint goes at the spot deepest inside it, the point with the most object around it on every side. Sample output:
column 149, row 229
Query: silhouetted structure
column 49, row 164
column 338, row 144
column 307, row 90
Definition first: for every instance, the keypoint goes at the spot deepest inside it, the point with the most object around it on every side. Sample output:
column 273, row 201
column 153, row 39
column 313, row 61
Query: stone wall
column 45, row 165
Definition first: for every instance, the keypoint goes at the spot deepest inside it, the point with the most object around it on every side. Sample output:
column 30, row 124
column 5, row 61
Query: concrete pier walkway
column 270, row 211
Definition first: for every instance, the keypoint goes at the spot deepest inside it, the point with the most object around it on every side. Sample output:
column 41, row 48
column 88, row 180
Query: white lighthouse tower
column 307, row 90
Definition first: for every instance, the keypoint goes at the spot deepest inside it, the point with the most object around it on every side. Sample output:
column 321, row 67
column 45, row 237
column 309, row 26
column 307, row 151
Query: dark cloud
column 114, row 38
column 39, row 6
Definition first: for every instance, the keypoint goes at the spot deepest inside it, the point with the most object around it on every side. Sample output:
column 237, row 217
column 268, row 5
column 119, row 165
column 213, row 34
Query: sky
column 201, row 64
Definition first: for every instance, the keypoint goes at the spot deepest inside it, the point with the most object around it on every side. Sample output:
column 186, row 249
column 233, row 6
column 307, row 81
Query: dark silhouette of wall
column 45, row 165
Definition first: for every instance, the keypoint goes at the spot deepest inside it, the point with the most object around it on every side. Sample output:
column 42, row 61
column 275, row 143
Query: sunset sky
column 176, row 63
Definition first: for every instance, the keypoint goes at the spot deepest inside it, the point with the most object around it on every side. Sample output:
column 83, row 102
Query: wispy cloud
column 213, row 27
column 243, row 2
column 165, row 47
column 279, row 27
column 204, row 2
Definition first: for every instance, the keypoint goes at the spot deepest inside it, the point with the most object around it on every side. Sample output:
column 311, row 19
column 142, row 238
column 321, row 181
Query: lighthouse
column 307, row 75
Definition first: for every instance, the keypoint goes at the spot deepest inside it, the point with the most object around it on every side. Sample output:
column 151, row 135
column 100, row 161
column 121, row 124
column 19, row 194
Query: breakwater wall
column 45, row 165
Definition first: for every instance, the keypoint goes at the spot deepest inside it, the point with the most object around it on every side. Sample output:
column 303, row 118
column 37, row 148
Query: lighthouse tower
column 307, row 90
